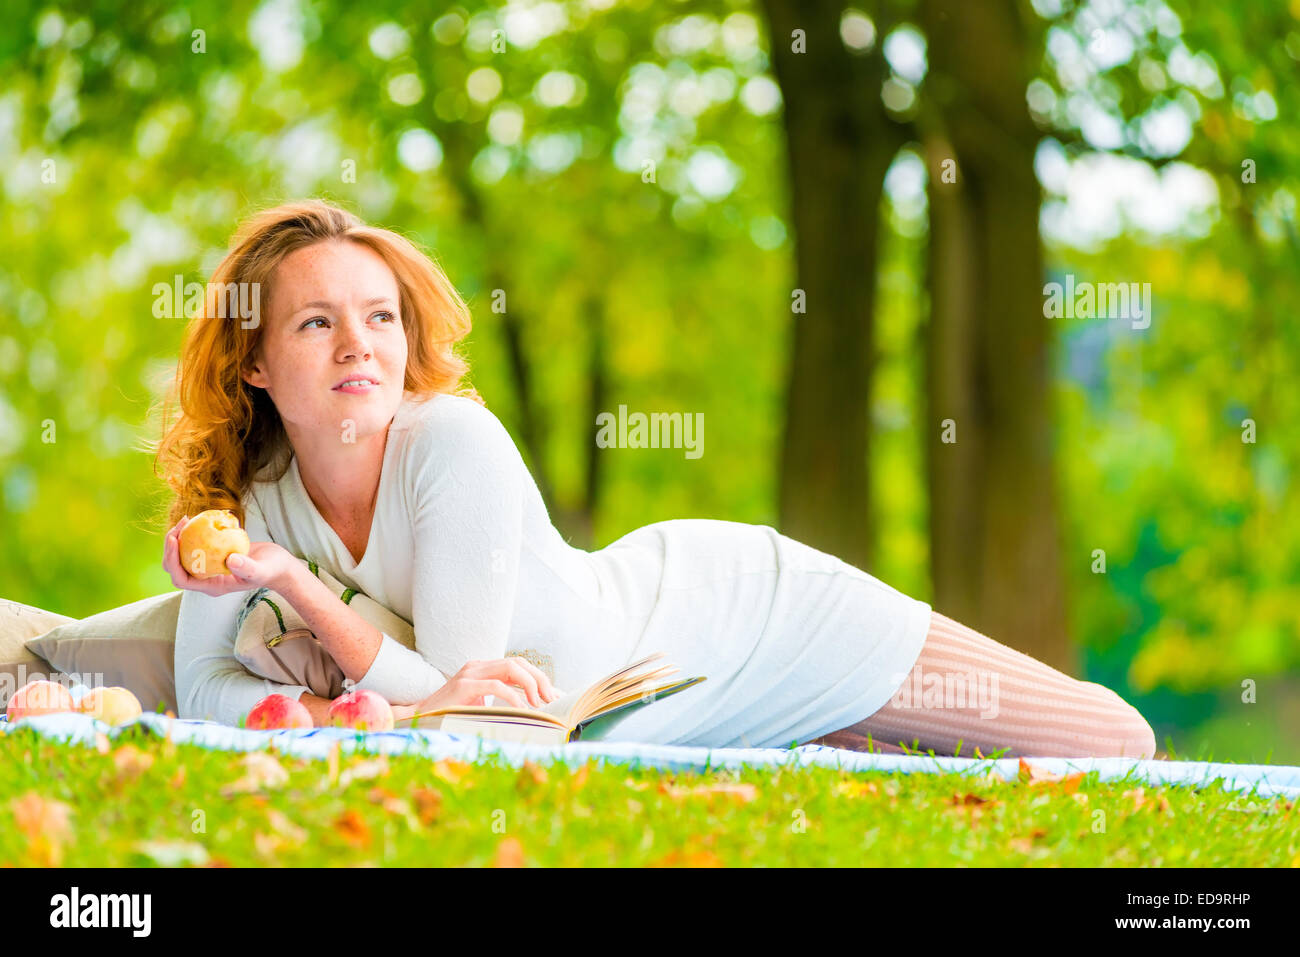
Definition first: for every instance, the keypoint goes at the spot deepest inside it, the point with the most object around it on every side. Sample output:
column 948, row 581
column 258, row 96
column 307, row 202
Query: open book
column 596, row 710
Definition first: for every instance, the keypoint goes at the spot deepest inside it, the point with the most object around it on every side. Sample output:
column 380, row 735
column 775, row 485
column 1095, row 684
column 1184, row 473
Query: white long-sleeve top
column 461, row 546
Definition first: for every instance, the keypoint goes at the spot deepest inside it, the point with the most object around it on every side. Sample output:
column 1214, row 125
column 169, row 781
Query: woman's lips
column 356, row 388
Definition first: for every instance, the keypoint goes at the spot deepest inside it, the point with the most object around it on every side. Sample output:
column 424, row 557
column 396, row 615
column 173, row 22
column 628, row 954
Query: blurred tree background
column 825, row 226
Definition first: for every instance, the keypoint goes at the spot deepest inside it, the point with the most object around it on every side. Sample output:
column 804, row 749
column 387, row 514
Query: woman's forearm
column 348, row 638
column 317, row 707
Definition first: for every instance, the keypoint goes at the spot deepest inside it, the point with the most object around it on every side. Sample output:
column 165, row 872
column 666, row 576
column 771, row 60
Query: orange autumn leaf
column 131, row 762
column 579, row 777
column 45, row 824
column 976, row 799
column 428, row 804
column 1036, row 775
column 352, row 827
column 690, row 858
column 1138, row 795
column 531, row 773
column 393, row 804
column 510, row 853
column 451, row 770
column 853, row 788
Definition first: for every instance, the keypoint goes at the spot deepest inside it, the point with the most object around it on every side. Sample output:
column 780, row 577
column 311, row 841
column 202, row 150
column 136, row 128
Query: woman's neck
column 341, row 478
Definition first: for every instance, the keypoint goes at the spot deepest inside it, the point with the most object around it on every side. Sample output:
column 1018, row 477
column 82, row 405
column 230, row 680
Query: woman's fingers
column 498, row 689
column 518, row 674
column 524, row 673
column 543, row 682
column 518, row 670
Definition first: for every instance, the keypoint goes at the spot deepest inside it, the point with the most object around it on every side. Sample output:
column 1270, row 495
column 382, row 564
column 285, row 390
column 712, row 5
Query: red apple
column 278, row 711
column 40, row 697
column 364, row 710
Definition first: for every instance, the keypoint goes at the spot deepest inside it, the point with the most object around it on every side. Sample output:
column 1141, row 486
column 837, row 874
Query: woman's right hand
column 216, row 586
column 511, row 680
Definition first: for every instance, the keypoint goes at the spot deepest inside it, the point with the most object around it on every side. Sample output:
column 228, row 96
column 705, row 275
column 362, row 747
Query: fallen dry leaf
column 260, row 771
column 1138, row 795
column 531, row 773
column 852, row 788
column 740, row 793
column 451, row 770
column 393, row 804
column 45, row 824
column 579, row 777
column 173, row 853
column 428, row 804
column 267, row 845
column 285, row 827
column 364, row 771
column 352, row 827
column 689, row 858
column 510, row 853
column 131, row 762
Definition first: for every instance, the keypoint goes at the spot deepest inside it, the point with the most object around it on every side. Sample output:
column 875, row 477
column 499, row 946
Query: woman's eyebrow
column 321, row 304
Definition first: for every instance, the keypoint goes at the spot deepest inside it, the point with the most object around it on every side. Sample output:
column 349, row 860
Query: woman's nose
column 354, row 339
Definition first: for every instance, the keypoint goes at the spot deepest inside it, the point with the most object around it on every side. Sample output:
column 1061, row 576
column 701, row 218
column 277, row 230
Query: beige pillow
column 18, row 665
column 133, row 647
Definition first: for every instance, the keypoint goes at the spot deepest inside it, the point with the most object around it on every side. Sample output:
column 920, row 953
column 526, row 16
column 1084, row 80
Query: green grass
column 139, row 800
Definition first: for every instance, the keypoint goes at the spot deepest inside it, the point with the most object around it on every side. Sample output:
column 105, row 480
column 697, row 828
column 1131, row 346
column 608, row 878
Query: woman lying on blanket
column 323, row 402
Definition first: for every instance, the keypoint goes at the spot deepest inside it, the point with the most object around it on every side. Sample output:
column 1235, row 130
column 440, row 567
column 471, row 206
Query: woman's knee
column 1127, row 726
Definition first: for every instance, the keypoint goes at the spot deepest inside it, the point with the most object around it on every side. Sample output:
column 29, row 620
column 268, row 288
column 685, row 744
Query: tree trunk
column 839, row 144
column 994, row 528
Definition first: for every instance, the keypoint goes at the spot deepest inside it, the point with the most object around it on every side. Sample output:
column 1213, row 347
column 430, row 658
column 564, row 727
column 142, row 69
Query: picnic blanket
column 1258, row 780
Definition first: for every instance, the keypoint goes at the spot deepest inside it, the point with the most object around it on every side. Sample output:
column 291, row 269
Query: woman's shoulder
column 446, row 428
column 444, row 419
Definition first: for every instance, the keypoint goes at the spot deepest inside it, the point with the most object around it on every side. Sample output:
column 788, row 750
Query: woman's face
column 333, row 314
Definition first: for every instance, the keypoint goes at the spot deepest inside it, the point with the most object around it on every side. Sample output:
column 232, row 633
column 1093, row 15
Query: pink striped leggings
column 968, row 691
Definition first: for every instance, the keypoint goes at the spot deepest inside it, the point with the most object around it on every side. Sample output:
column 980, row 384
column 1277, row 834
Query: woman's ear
column 255, row 374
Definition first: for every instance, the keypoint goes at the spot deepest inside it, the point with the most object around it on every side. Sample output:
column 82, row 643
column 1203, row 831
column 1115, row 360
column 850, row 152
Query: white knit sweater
column 460, row 545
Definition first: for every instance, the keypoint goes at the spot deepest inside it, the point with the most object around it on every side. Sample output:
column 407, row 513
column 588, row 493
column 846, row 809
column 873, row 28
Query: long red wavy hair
column 219, row 432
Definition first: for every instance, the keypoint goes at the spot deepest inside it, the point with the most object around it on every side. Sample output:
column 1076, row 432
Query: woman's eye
column 387, row 315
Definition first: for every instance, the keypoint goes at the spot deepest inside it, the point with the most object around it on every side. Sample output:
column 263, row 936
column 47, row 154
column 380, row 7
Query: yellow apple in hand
column 113, row 705
column 208, row 538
